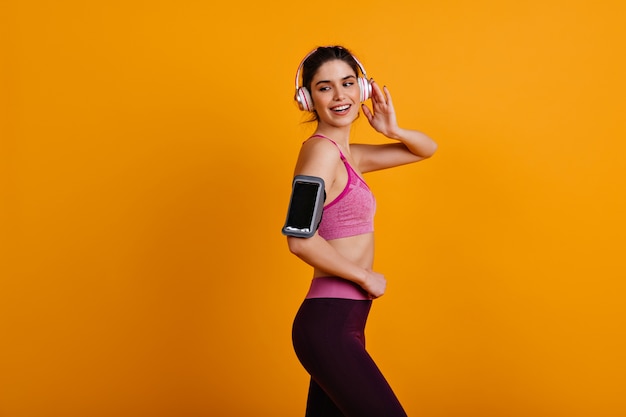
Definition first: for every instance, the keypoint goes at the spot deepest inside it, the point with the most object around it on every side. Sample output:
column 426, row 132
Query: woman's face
column 335, row 93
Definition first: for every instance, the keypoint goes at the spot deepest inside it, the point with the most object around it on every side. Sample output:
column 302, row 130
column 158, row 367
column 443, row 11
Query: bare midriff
column 358, row 249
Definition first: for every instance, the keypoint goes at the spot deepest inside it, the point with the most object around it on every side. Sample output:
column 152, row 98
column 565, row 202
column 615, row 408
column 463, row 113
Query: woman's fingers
column 377, row 94
column 387, row 94
column 366, row 112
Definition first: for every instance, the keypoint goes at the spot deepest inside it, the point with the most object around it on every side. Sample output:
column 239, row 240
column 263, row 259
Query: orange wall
column 146, row 155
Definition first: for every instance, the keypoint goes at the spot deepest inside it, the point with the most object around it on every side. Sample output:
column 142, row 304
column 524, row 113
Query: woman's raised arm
column 414, row 145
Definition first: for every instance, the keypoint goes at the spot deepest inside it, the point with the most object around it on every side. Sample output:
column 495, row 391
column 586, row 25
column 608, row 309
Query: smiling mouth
column 341, row 109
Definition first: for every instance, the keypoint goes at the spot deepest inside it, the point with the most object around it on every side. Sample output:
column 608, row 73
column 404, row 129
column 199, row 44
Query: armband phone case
column 305, row 206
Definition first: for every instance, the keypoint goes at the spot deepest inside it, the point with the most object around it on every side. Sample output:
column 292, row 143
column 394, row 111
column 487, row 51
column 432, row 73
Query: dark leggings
column 328, row 337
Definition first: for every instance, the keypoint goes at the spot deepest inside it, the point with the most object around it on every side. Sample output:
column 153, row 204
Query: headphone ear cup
column 365, row 88
column 304, row 99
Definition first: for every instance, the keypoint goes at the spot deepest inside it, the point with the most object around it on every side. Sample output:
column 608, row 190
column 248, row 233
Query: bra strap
column 343, row 158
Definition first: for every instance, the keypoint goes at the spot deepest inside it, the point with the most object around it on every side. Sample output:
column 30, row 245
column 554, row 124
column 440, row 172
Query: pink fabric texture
column 335, row 287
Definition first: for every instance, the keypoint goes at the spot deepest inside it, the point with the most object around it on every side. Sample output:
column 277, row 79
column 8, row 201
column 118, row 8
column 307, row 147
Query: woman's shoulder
column 319, row 157
column 317, row 146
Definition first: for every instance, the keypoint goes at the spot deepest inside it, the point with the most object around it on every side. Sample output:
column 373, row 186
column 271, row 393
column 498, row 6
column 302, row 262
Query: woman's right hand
column 375, row 284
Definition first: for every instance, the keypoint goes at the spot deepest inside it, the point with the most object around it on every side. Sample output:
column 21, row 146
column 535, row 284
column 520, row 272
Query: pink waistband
column 335, row 287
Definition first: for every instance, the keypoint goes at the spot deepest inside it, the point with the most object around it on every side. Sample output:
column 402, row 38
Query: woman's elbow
column 296, row 245
column 431, row 150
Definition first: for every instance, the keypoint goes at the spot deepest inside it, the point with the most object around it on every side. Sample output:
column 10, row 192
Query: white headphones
column 303, row 97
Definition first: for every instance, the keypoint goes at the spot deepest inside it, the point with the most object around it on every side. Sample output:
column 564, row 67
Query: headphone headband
column 358, row 63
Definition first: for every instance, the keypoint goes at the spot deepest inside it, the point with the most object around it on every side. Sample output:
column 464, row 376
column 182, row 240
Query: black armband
column 305, row 206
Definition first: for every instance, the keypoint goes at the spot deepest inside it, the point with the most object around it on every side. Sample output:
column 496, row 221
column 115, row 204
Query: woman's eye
column 348, row 84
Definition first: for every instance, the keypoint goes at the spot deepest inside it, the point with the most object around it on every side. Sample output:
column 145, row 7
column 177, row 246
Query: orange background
column 146, row 155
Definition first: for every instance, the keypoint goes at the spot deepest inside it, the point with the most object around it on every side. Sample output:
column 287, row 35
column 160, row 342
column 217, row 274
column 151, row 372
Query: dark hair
column 322, row 55
column 319, row 57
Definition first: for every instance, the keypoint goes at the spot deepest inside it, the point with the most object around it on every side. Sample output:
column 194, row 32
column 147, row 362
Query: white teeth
column 340, row 108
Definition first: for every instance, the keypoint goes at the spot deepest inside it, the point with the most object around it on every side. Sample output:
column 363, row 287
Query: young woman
column 328, row 330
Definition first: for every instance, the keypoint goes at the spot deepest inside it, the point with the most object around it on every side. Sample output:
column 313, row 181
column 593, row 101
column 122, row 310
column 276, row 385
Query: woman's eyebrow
column 343, row 79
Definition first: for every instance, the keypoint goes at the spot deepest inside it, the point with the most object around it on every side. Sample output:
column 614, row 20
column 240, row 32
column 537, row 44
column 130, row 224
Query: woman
column 328, row 331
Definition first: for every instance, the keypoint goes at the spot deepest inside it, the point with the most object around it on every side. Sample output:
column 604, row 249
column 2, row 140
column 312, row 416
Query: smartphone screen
column 302, row 205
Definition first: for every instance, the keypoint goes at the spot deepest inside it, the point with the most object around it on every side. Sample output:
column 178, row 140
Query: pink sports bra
column 352, row 212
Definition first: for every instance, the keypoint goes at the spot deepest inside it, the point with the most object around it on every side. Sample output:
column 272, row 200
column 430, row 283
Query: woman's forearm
column 318, row 253
column 417, row 143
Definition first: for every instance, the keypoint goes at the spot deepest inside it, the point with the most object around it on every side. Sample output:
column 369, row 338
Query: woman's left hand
column 382, row 117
